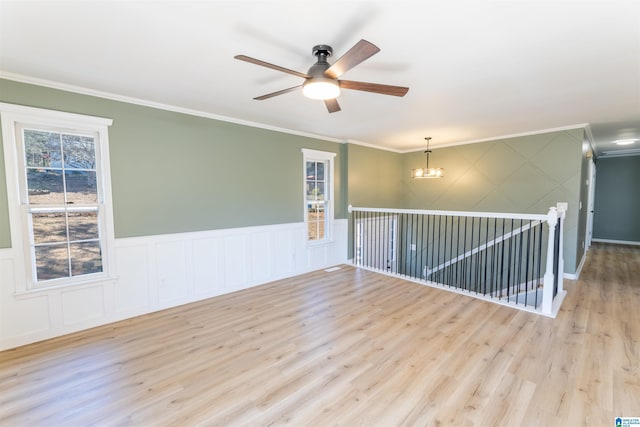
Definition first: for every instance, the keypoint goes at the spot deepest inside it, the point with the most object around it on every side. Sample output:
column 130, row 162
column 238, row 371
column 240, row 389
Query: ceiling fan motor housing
column 322, row 52
column 322, row 49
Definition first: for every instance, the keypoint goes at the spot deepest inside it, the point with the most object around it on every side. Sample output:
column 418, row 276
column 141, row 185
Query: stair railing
column 513, row 259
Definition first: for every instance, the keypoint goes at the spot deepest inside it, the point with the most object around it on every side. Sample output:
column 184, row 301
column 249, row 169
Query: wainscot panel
column 157, row 272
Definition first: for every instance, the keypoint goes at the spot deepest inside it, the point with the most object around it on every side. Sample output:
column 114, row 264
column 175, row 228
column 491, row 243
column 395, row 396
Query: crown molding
column 145, row 103
column 377, row 147
column 620, row 153
column 176, row 109
column 497, row 138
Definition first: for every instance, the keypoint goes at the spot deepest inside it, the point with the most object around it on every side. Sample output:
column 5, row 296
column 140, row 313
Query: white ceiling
column 476, row 70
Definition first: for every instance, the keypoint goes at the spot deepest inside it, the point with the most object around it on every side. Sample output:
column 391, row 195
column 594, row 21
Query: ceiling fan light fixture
column 321, row 88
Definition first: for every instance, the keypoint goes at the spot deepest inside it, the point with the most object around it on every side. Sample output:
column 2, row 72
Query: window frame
column 15, row 118
column 327, row 158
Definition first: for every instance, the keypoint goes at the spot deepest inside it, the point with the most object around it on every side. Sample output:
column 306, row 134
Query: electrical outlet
column 413, row 246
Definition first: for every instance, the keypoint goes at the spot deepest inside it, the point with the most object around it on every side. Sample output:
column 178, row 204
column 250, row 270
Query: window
column 58, row 210
column 316, row 189
column 318, row 194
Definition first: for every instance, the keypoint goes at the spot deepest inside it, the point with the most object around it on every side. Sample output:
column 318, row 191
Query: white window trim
column 315, row 155
column 12, row 115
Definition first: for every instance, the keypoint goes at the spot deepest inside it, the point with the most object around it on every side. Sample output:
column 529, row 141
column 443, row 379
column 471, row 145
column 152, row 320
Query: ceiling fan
column 321, row 81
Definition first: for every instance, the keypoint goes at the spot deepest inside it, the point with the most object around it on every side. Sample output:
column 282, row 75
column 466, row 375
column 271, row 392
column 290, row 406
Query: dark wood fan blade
column 272, row 66
column 358, row 53
column 280, row 92
column 374, row 87
column 332, row 105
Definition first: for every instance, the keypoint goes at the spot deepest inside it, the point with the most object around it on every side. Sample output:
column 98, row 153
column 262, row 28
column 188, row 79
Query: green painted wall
column 519, row 175
column 374, row 177
column 617, row 199
column 175, row 173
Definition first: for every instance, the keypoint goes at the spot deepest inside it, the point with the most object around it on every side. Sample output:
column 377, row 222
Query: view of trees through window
column 63, row 203
column 316, row 185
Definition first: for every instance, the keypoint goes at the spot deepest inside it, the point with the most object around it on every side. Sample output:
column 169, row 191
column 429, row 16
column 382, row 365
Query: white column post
column 562, row 212
column 547, row 287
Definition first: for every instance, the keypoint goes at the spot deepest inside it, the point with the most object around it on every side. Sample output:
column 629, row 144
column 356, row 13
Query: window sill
column 81, row 284
column 312, row 243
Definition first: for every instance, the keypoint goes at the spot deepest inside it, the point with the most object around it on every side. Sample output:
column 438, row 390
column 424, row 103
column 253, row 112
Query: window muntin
column 61, row 197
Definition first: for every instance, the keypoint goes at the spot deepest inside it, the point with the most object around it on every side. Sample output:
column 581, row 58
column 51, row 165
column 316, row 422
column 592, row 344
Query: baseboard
column 617, row 242
column 576, row 275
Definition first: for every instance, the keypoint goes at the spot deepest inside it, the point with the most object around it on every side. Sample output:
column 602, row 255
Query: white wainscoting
column 158, row 272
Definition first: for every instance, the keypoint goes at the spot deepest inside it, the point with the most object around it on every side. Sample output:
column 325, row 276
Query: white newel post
column 547, row 287
column 562, row 212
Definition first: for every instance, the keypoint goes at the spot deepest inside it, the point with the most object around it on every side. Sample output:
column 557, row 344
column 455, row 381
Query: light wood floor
column 347, row 348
